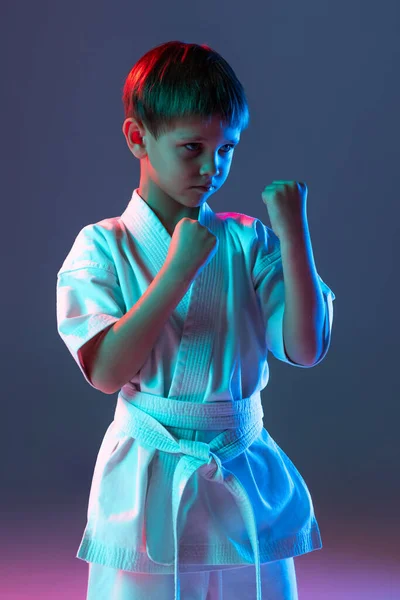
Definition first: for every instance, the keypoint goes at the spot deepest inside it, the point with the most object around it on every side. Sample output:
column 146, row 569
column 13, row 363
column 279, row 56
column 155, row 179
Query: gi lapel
column 199, row 309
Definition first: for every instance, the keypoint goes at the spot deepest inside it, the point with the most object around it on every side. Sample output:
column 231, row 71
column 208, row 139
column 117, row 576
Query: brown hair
column 177, row 79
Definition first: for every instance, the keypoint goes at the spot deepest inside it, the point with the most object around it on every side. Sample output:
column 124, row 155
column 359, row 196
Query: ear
column 135, row 138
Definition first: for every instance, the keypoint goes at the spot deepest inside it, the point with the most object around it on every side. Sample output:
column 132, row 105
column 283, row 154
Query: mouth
column 203, row 188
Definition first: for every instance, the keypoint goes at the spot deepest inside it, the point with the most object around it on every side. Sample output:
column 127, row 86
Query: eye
column 231, row 147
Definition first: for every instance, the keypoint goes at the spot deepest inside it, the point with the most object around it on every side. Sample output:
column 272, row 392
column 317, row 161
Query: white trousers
column 278, row 582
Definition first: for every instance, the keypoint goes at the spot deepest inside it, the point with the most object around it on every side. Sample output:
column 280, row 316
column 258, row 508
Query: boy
column 176, row 307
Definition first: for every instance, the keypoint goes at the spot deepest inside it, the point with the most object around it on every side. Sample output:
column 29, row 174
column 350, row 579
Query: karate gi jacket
column 187, row 478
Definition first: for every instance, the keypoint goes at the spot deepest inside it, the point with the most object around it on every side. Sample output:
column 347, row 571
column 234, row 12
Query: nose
column 210, row 168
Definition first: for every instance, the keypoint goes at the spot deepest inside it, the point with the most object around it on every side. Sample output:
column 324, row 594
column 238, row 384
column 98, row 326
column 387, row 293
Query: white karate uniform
column 186, row 465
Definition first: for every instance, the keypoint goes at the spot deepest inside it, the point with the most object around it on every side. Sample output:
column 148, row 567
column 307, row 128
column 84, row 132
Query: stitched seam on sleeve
column 265, row 263
column 87, row 264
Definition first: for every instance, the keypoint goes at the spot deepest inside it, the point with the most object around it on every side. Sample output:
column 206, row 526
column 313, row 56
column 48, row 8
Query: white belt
column 144, row 417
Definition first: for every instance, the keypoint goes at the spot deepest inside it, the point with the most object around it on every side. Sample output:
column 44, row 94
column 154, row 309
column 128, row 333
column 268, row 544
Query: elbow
column 106, row 390
column 100, row 384
column 96, row 377
column 110, row 390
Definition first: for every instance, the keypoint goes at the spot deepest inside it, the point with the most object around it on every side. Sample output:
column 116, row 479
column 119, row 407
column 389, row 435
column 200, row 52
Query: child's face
column 180, row 160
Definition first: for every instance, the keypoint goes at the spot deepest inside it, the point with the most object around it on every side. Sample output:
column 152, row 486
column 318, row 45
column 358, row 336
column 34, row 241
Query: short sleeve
column 269, row 286
column 88, row 294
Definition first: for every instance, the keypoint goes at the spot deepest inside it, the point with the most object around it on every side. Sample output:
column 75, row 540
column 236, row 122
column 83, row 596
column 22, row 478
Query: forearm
column 304, row 313
column 127, row 345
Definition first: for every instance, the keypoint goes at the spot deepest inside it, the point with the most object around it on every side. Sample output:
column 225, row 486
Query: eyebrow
column 203, row 139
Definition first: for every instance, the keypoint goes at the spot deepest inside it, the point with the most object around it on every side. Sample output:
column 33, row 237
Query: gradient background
column 322, row 81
